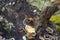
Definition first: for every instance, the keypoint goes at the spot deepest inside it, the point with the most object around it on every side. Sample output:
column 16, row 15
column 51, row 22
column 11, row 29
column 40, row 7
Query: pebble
column 13, row 3
column 10, row 3
column 1, row 18
column 24, row 38
column 34, row 10
column 3, row 9
column 52, row 0
column 12, row 39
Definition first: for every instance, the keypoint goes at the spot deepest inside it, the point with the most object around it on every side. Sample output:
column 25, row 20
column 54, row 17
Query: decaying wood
column 46, row 14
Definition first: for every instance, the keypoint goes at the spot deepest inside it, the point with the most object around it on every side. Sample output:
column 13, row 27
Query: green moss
column 55, row 18
column 6, row 25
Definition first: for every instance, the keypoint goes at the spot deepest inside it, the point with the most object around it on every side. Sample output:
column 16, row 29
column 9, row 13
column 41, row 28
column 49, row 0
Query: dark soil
column 16, row 14
column 15, row 11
